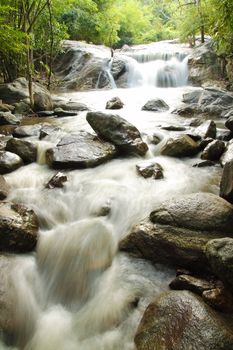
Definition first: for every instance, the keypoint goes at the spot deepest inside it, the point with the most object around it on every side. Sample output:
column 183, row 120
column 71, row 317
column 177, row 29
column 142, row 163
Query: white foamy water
column 77, row 291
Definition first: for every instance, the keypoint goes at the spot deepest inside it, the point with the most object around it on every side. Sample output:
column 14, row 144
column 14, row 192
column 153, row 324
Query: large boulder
column 18, row 90
column 24, row 149
column 27, row 130
column 119, row 131
column 226, row 184
column 207, row 129
column 180, row 146
column 220, row 256
column 18, row 228
column 179, row 229
column 81, row 150
column 179, row 321
column 228, row 154
column 155, row 105
column 9, row 162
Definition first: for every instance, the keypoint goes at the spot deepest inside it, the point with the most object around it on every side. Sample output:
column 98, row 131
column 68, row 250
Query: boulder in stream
column 213, row 150
column 119, row 131
column 207, row 129
column 114, row 103
column 56, row 181
column 18, row 228
column 4, row 188
column 27, row 130
column 81, row 150
column 150, row 169
column 180, row 320
column 7, row 118
column 228, row 154
column 156, row 105
column 179, row 229
column 180, row 146
column 9, row 162
column 24, row 149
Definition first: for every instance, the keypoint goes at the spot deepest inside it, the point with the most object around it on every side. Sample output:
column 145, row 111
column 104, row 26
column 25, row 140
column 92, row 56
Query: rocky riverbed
column 116, row 210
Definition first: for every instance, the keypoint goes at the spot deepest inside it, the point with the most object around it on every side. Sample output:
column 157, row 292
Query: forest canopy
column 31, row 31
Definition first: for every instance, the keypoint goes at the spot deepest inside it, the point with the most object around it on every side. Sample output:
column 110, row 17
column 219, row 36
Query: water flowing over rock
column 117, row 130
column 57, row 181
column 18, row 227
column 24, row 149
column 81, row 150
column 150, row 169
column 181, row 320
column 156, row 105
column 181, row 146
column 9, row 162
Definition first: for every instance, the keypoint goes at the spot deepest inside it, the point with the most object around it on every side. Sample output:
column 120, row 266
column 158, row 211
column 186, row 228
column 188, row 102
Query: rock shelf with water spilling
column 116, row 205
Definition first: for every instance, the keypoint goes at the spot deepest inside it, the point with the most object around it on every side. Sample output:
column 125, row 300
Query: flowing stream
column 78, row 292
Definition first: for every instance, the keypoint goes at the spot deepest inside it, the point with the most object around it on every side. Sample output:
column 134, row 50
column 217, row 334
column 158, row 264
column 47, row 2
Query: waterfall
column 157, row 68
column 106, row 74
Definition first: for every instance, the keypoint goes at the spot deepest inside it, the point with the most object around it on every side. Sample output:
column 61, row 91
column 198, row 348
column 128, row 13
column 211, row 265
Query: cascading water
column 77, row 291
column 157, row 68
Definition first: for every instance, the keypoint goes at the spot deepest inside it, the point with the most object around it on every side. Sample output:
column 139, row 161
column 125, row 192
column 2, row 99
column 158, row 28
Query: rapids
column 77, row 291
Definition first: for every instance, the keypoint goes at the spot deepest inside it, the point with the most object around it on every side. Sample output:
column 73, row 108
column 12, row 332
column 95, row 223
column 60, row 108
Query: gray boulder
column 18, row 228
column 213, row 150
column 48, row 129
column 229, row 123
column 9, row 162
column 24, row 149
column 179, row 320
column 70, row 105
column 181, row 146
column 228, row 154
column 117, row 130
column 81, row 150
column 226, row 184
column 7, row 118
column 220, row 256
column 59, row 112
column 27, row 131
column 179, row 229
column 156, row 105
column 114, row 103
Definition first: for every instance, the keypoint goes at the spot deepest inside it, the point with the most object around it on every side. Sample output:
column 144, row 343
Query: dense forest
column 31, row 31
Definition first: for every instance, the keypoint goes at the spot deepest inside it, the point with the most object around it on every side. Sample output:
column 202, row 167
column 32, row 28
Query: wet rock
column 59, row 112
column 114, row 103
column 118, row 67
column 226, row 184
column 24, row 149
column 195, row 122
column 71, row 106
column 204, row 142
column 57, row 181
column 181, row 146
column 220, row 256
column 117, row 130
column 196, row 211
column 9, row 162
column 179, row 320
column 42, row 100
column 150, row 169
column 156, row 139
column 213, row 150
column 179, row 230
column 203, row 164
column 45, row 113
column 227, row 114
column 27, row 130
column 229, row 123
column 196, row 285
column 224, row 135
column 173, row 128
column 48, row 129
column 82, row 150
column 219, row 298
column 207, row 129
column 228, row 154
column 18, row 228
column 187, row 111
column 156, row 105
column 4, row 188
column 8, row 118
column 23, row 107
column 192, row 97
